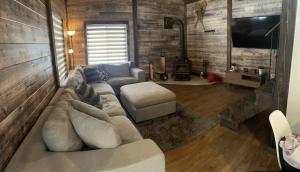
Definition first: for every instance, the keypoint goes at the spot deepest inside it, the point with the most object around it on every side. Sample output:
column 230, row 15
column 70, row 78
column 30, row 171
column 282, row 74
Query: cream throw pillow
column 90, row 110
column 58, row 132
column 94, row 133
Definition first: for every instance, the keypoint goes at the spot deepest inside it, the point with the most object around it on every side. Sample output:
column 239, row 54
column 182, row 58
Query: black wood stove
column 182, row 69
column 181, row 66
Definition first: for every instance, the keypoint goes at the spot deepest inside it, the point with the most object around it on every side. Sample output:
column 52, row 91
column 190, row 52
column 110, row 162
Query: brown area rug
column 175, row 129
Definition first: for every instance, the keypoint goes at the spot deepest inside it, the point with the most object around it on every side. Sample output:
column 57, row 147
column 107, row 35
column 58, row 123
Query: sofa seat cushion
column 102, row 88
column 117, row 70
column 111, row 105
column 120, row 81
column 126, row 129
column 95, row 133
column 58, row 132
column 146, row 94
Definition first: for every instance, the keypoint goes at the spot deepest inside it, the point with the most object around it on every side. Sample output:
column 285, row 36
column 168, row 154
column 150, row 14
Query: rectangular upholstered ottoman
column 147, row 100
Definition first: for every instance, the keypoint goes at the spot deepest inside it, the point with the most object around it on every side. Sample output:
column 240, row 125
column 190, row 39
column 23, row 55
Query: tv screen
column 251, row 32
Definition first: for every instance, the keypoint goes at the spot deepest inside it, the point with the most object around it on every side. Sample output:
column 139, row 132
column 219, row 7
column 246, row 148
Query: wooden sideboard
column 248, row 79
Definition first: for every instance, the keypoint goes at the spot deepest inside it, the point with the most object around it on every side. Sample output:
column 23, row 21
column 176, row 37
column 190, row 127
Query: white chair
column 280, row 127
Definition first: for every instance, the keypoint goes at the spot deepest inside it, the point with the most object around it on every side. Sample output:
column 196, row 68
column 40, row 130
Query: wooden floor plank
column 221, row 149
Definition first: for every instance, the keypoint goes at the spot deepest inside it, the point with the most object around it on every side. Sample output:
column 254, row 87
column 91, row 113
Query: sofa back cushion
column 63, row 95
column 87, row 94
column 75, row 78
column 92, row 74
column 103, row 74
column 95, row 133
column 90, row 110
column 117, row 70
column 58, row 132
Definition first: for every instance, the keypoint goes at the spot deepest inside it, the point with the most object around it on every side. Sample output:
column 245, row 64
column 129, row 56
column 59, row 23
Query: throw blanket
column 291, row 149
column 290, row 143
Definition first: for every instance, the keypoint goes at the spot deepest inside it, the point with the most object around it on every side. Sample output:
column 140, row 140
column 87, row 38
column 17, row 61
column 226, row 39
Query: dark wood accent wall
column 81, row 11
column 250, row 57
column 283, row 68
column 210, row 46
column 27, row 79
column 152, row 37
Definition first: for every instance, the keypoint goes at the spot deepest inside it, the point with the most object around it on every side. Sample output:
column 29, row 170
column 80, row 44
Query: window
column 106, row 43
column 59, row 47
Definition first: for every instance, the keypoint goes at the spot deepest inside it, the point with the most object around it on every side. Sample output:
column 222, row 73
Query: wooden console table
column 248, row 79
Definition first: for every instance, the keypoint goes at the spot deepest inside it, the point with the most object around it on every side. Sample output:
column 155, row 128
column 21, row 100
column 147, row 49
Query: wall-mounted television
column 250, row 32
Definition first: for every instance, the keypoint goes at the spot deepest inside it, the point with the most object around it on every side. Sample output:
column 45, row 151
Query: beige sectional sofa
column 119, row 75
column 135, row 154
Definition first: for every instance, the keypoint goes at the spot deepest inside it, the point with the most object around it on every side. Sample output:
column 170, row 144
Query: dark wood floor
column 221, row 149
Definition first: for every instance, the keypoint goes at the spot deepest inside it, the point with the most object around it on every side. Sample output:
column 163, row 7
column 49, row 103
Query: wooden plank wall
column 80, row 11
column 152, row 37
column 26, row 73
column 250, row 57
column 253, row 58
column 283, row 67
column 210, row 46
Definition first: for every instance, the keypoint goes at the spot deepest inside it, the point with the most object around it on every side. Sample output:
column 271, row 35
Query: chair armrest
column 139, row 74
column 143, row 155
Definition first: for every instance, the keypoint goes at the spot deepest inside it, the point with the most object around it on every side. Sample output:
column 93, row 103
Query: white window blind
column 60, row 53
column 106, row 43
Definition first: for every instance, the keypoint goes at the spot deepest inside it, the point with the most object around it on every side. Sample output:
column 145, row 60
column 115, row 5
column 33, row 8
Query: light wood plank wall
column 150, row 14
column 251, row 57
column 80, row 11
column 27, row 79
column 152, row 37
column 212, row 46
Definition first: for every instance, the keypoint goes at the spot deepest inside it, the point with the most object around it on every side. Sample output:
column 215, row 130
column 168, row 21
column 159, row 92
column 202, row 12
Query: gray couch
column 134, row 155
column 119, row 75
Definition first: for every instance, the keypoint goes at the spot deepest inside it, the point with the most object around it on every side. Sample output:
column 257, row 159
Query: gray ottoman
column 147, row 100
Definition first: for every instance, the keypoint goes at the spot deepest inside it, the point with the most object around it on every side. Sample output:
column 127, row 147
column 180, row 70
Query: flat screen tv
column 251, row 32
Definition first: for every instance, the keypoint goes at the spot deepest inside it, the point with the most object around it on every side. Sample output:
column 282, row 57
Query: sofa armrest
column 139, row 74
column 143, row 155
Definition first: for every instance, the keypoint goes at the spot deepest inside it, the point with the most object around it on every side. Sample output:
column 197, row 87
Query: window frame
column 106, row 22
column 52, row 11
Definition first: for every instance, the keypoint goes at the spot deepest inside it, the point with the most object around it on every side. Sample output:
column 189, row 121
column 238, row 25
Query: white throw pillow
column 95, row 133
column 58, row 132
column 90, row 110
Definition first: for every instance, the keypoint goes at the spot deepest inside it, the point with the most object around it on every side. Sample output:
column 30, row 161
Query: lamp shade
column 71, row 51
column 71, row 32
